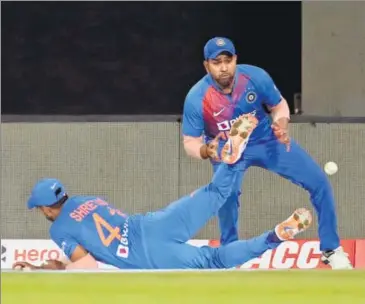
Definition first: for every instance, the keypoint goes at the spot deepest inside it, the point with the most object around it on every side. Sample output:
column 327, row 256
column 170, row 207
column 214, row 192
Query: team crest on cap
column 251, row 97
column 220, row 42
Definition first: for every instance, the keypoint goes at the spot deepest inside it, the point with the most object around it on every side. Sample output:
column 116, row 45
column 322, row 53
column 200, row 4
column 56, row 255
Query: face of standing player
column 222, row 69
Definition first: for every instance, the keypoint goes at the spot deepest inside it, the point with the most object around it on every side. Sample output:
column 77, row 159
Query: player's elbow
column 86, row 262
column 281, row 110
column 191, row 153
column 192, row 146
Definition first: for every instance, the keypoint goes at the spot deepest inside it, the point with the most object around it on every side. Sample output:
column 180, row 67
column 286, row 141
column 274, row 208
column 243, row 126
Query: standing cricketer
column 213, row 105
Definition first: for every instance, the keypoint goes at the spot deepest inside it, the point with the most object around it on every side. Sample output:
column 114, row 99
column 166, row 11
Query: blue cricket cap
column 46, row 192
column 216, row 46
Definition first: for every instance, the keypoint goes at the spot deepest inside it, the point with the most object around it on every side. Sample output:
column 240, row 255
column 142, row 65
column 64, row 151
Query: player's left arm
column 278, row 107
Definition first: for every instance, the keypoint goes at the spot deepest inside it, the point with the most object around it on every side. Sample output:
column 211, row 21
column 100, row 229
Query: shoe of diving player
column 299, row 221
column 238, row 138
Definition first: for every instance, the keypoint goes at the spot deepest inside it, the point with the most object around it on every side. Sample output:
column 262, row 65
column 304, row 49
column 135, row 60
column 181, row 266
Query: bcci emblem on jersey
column 251, row 97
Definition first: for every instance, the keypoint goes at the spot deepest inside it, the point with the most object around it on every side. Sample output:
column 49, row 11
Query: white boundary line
column 133, row 271
column 145, row 271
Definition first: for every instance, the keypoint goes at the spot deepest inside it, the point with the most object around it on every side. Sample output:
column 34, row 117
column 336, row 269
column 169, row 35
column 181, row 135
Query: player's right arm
column 81, row 259
column 193, row 128
column 78, row 257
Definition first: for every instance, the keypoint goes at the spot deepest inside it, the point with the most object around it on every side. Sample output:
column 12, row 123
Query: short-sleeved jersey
column 109, row 235
column 210, row 112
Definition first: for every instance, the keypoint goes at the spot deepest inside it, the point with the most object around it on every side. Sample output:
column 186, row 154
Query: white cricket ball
column 330, row 168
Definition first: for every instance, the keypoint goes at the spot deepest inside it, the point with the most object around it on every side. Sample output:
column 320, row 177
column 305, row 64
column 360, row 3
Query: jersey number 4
column 114, row 233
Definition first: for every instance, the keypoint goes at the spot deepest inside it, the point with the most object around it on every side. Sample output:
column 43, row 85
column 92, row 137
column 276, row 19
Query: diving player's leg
column 231, row 153
column 228, row 213
column 173, row 255
column 182, row 219
column 240, row 252
column 170, row 255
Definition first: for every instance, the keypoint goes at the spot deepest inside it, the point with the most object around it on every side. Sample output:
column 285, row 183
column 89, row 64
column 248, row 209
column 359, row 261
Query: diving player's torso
column 109, row 235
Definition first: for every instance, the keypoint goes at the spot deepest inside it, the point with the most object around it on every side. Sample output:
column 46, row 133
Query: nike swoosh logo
column 217, row 113
column 54, row 185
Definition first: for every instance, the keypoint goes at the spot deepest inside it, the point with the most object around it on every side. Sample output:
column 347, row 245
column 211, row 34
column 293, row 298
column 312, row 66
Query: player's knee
column 214, row 260
column 220, row 193
column 318, row 183
column 235, row 197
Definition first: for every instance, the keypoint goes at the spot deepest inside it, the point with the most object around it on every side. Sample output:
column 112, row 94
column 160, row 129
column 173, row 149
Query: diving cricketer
column 89, row 230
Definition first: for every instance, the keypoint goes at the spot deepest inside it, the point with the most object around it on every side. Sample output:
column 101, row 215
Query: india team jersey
column 209, row 112
column 109, row 235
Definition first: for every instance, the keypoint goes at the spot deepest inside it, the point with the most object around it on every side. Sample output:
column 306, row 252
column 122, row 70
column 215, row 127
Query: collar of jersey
column 214, row 84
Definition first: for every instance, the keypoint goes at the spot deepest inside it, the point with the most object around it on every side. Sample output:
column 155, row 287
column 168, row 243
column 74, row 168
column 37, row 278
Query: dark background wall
column 134, row 57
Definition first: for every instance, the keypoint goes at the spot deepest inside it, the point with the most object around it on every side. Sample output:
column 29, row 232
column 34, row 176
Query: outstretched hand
column 280, row 128
column 49, row 265
column 22, row 265
column 212, row 149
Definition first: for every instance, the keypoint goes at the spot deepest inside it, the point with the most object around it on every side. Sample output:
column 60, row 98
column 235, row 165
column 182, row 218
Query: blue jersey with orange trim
column 210, row 112
column 109, row 235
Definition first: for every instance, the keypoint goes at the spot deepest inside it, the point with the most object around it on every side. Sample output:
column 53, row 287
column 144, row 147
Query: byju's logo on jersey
column 227, row 124
column 124, row 238
column 123, row 249
column 251, row 97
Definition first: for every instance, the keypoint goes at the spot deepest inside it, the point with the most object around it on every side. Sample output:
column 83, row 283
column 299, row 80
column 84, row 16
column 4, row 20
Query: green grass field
column 342, row 287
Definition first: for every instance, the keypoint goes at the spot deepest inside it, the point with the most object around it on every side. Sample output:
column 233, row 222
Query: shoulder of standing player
column 197, row 91
column 254, row 72
column 259, row 77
